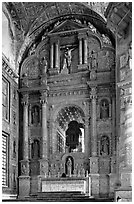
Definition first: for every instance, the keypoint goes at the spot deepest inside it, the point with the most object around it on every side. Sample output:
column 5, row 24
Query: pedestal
column 24, row 186
column 82, row 67
column 95, row 185
column 94, row 165
column 104, row 185
column 43, row 167
column 53, row 71
column 112, row 184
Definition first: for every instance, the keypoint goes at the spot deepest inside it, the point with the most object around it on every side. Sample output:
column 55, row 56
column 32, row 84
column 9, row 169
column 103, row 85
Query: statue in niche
column 93, row 59
column 69, row 167
column 44, row 65
column 67, row 58
column 35, row 115
column 35, row 149
column 23, row 169
column 104, row 109
column 104, row 150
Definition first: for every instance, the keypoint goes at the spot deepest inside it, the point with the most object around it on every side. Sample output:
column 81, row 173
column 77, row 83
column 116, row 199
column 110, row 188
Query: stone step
column 65, row 197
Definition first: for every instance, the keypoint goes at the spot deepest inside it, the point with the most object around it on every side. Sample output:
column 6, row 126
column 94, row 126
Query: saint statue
column 93, row 59
column 44, row 65
column 35, row 149
column 69, row 167
column 104, row 110
column 104, row 146
column 35, row 115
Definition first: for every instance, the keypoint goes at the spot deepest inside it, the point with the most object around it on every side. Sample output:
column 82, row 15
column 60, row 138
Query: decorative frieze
column 104, row 126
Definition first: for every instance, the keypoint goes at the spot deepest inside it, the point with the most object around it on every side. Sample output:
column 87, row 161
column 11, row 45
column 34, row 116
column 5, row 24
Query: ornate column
column 24, row 179
column 44, row 161
column 30, row 114
column 85, row 51
column 57, row 55
column 80, row 51
column 87, row 136
column 25, row 126
column 43, row 101
column 52, row 55
column 93, row 97
column 113, row 125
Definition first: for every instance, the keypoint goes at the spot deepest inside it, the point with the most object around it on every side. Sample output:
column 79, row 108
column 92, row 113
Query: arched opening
column 75, row 137
column 70, row 130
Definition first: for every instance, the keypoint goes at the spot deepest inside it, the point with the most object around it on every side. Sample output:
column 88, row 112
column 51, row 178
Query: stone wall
column 10, row 128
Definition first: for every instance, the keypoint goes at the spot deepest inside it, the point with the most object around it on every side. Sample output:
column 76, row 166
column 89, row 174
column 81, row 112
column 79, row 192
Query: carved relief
column 30, row 67
column 24, row 168
column 104, row 166
column 104, row 126
column 106, row 59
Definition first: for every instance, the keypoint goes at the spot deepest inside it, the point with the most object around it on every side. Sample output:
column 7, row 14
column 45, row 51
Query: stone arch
column 62, row 106
column 30, row 67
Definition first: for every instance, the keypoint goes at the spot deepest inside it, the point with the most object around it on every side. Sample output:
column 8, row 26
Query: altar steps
column 64, row 197
column 60, row 197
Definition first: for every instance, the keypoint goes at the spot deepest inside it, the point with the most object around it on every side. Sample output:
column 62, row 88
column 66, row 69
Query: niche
column 35, row 149
column 69, row 166
column 104, row 109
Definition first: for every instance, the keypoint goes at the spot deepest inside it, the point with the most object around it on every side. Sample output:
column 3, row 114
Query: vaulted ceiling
column 29, row 20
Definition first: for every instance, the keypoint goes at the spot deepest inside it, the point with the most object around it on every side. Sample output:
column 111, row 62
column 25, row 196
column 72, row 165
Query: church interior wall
column 65, row 108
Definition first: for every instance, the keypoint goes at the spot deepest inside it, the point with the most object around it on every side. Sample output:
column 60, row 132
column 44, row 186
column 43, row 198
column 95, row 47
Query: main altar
column 68, row 111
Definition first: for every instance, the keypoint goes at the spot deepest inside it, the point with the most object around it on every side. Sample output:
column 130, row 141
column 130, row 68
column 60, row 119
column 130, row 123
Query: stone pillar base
column 44, row 167
column 112, row 184
column 126, row 179
column 95, row 185
column 94, row 165
column 104, row 186
column 53, row 71
column 82, row 67
column 24, row 186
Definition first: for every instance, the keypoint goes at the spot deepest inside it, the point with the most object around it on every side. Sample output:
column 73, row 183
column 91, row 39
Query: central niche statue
column 72, row 135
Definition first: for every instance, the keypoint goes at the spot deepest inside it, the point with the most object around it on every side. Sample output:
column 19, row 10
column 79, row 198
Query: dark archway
column 72, row 135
